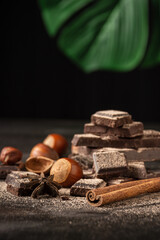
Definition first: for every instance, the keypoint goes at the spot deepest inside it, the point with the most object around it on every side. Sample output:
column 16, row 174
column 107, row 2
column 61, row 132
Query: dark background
column 37, row 80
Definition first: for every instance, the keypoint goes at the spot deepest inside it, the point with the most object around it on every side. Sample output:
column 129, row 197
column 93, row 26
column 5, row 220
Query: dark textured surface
column 27, row 218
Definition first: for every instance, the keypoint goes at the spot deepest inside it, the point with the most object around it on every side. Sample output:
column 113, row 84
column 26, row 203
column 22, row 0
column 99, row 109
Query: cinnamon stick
column 106, row 195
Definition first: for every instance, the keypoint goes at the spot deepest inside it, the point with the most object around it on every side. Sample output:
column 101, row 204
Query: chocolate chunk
column 109, row 164
column 85, row 161
column 111, row 118
column 137, row 170
column 81, row 187
column 119, row 180
column 87, row 140
column 19, row 183
column 6, row 169
column 95, row 129
column 153, row 169
column 128, row 130
column 112, row 173
column 150, row 138
column 141, row 154
column 91, row 140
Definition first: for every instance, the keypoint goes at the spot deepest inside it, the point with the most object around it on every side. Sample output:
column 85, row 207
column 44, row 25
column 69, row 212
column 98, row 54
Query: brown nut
column 57, row 142
column 39, row 164
column 10, row 155
column 41, row 149
column 66, row 172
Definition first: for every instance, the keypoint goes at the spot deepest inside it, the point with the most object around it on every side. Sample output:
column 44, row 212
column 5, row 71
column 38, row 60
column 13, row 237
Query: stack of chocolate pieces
column 116, row 147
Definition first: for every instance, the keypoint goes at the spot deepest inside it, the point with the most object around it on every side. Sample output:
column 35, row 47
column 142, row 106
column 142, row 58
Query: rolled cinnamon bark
column 106, row 195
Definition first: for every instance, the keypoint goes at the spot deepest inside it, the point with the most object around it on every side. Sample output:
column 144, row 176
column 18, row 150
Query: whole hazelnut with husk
column 39, row 164
column 57, row 142
column 10, row 155
column 66, row 172
column 41, row 149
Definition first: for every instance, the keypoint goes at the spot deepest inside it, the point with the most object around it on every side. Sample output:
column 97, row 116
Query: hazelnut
column 41, row 149
column 66, row 172
column 38, row 164
column 57, row 142
column 10, row 155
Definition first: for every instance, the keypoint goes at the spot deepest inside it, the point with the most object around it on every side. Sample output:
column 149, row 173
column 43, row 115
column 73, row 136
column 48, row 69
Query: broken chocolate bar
column 128, row 130
column 111, row 118
column 150, row 138
column 137, row 170
column 109, row 164
column 81, row 187
column 19, row 183
column 141, row 154
column 94, row 129
column 6, row 169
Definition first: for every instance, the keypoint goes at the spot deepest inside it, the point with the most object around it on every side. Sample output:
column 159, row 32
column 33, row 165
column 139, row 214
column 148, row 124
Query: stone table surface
column 53, row 218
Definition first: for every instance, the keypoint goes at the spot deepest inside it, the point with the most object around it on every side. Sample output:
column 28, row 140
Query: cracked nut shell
column 39, row 164
column 41, row 149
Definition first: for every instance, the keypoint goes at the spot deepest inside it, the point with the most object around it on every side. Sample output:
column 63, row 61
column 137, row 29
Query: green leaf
column 56, row 12
column 105, row 34
column 108, row 35
column 153, row 52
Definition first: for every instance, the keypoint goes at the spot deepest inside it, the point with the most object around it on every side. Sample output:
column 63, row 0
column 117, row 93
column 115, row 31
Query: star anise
column 44, row 185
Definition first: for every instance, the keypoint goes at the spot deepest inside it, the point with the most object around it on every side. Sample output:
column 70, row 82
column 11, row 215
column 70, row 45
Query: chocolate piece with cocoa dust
column 150, row 138
column 81, row 187
column 19, row 183
column 109, row 164
column 111, row 118
column 128, row 130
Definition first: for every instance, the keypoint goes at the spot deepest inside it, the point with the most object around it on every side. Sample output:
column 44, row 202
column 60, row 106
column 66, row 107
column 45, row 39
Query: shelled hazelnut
column 66, row 172
column 41, row 149
column 10, row 155
column 57, row 142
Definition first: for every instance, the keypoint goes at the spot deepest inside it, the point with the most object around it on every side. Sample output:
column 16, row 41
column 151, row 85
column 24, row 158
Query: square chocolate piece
column 19, row 183
column 111, row 118
column 109, row 164
column 81, row 187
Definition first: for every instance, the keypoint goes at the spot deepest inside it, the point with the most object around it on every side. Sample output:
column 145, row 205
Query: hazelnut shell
column 66, row 172
column 39, row 164
column 41, row 149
